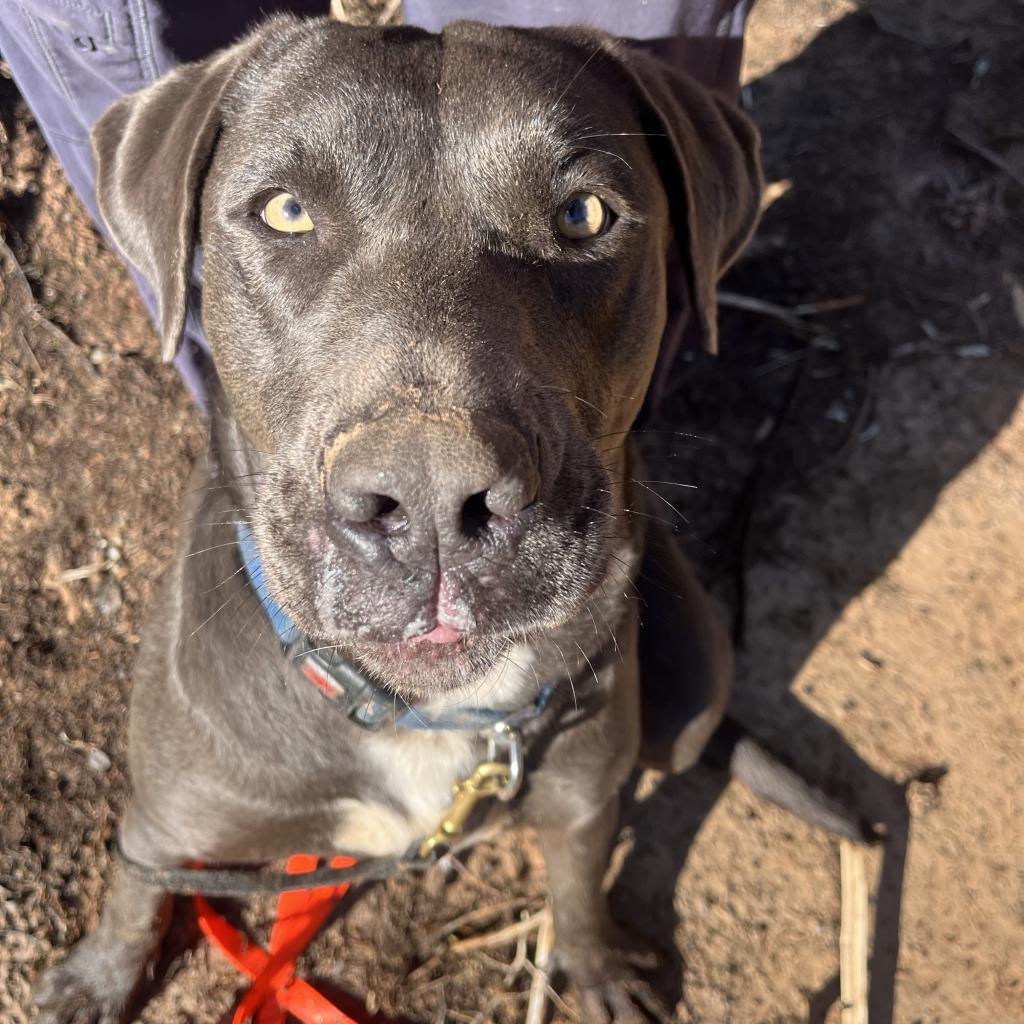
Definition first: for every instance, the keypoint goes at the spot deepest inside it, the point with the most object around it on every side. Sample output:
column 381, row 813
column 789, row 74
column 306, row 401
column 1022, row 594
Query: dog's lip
column 442, row 643
column 442, row 633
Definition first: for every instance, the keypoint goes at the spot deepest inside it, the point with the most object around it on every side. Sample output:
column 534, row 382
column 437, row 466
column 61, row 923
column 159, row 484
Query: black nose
column 430, row 488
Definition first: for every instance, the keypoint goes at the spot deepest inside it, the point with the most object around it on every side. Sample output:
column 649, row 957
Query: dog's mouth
column 430, row 649
column 420, row 666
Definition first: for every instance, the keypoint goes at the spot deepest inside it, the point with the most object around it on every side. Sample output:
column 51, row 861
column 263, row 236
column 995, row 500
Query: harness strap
column 569, row 703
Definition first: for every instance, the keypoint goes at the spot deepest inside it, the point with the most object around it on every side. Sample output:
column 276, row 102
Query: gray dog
column 435, row 287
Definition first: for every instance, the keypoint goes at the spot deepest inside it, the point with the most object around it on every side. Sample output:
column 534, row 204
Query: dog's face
column 435, row 288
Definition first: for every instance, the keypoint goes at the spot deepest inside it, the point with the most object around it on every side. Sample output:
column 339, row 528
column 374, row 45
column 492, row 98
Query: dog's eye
column 286, row 214
column 583, row 216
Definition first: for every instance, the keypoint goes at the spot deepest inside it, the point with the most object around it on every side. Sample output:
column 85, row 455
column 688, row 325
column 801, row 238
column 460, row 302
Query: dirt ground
column 860, row 514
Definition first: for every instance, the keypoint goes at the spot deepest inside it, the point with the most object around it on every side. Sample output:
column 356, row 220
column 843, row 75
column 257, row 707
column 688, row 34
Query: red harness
column 275, row 991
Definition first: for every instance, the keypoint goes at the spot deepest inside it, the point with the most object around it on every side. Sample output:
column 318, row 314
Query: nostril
column 380, row 511
column 510, row 496
column 390, row 516
column 476, row 516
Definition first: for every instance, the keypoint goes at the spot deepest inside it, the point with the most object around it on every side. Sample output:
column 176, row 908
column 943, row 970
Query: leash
column 308, row 890
column 275, row 991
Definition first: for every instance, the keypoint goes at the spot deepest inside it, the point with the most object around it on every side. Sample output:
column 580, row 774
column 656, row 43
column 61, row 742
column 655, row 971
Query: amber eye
column 583, row 216
column 286, row 214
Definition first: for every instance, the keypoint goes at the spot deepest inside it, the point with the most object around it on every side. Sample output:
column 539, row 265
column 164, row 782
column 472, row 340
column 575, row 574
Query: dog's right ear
column 152, row 149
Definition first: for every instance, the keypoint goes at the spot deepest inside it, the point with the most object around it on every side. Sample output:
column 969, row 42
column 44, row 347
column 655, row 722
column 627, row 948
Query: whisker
column 606, row 152
column 220, row 608
column 568, row 673
column 579, row 71
column 590, row 664
column 213, row 547
column 616, row 135
column 226, row 579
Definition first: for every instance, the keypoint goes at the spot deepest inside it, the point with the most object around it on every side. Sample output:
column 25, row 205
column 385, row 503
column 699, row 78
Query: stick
column 501, row 936
column 828, row 305
column 751, row 305
column 83, row 572
column 539, row 984
column 474, row 916
column 987, row 154
column 853, row 934
column 791, row 316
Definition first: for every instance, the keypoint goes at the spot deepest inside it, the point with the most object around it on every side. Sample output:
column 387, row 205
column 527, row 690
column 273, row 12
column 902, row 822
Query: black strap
column 216, row 882
column 570, row 703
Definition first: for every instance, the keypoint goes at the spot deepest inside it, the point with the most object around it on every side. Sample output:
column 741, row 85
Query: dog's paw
column 610, row 989
column 91, row 986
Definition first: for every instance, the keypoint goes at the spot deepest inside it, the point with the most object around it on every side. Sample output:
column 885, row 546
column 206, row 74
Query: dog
column 436, row 288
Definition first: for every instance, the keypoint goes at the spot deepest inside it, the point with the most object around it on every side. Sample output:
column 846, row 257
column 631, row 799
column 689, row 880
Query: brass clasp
column 490, row 778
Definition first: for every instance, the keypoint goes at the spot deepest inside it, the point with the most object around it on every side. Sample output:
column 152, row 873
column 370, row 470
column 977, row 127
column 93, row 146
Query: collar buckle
column 505, row 743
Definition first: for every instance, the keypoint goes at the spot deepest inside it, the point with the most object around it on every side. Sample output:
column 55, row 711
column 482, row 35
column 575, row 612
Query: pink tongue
column 441, row 634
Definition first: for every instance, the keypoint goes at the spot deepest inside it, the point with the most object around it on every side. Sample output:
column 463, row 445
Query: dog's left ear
column 707, row 152
column 152, row 149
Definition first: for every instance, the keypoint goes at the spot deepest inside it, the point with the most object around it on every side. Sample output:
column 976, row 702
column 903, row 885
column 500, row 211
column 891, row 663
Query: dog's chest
column 414, row 771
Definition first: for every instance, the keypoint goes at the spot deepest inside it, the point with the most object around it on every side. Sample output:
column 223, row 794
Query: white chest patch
column 418, row 768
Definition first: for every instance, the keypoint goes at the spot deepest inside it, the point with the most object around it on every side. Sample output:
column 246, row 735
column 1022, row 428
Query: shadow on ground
column 889, row 205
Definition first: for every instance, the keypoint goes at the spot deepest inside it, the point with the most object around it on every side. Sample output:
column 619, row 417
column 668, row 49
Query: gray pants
column 72, row 58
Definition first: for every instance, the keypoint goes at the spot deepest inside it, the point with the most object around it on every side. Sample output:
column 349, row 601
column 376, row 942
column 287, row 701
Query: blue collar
column 353, row 690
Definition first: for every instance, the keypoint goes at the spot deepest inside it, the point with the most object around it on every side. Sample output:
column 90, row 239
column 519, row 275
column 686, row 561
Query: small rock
column 825, row 343
column 837, row 413
column 109, row 598
column 96, row 356
column 873, row 659
column 98, row 760
column 974, row 351
column 1017, row 297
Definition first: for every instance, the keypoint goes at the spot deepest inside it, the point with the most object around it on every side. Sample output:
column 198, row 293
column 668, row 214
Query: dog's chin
column 418, row 669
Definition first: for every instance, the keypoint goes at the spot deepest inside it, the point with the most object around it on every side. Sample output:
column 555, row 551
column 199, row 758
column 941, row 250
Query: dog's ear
column 152, row 149
column 707, row 152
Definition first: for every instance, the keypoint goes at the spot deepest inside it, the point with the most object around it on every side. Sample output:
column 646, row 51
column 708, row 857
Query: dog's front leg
column 589, row 948
column 94, row 984
column 573, row 803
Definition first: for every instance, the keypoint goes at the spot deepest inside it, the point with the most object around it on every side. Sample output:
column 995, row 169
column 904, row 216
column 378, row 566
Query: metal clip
column 493, row 777
column 489, row 779
column 509, row 740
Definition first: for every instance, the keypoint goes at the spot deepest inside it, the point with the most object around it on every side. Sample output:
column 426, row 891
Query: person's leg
column 71, row 61
column 703, row 37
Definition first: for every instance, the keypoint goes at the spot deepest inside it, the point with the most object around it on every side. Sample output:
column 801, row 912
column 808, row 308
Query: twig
column 563, row 1007
column 518, row 962
column 791, row 316
column 539, row 987
column 853, row 934
column 751, row 305
column 987, row 154
column 464, row 872
column 827, row 305
column 83, row 572
column 501, row 936
column 477, row 914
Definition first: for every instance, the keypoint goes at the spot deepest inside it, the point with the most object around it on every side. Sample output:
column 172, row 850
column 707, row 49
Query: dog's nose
column 430, row 488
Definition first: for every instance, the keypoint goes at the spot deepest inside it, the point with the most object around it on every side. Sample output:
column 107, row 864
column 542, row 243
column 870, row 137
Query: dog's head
column 435, row 289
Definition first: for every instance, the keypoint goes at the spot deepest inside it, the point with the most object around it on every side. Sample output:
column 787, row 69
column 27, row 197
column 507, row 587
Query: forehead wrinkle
column 500, row 157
